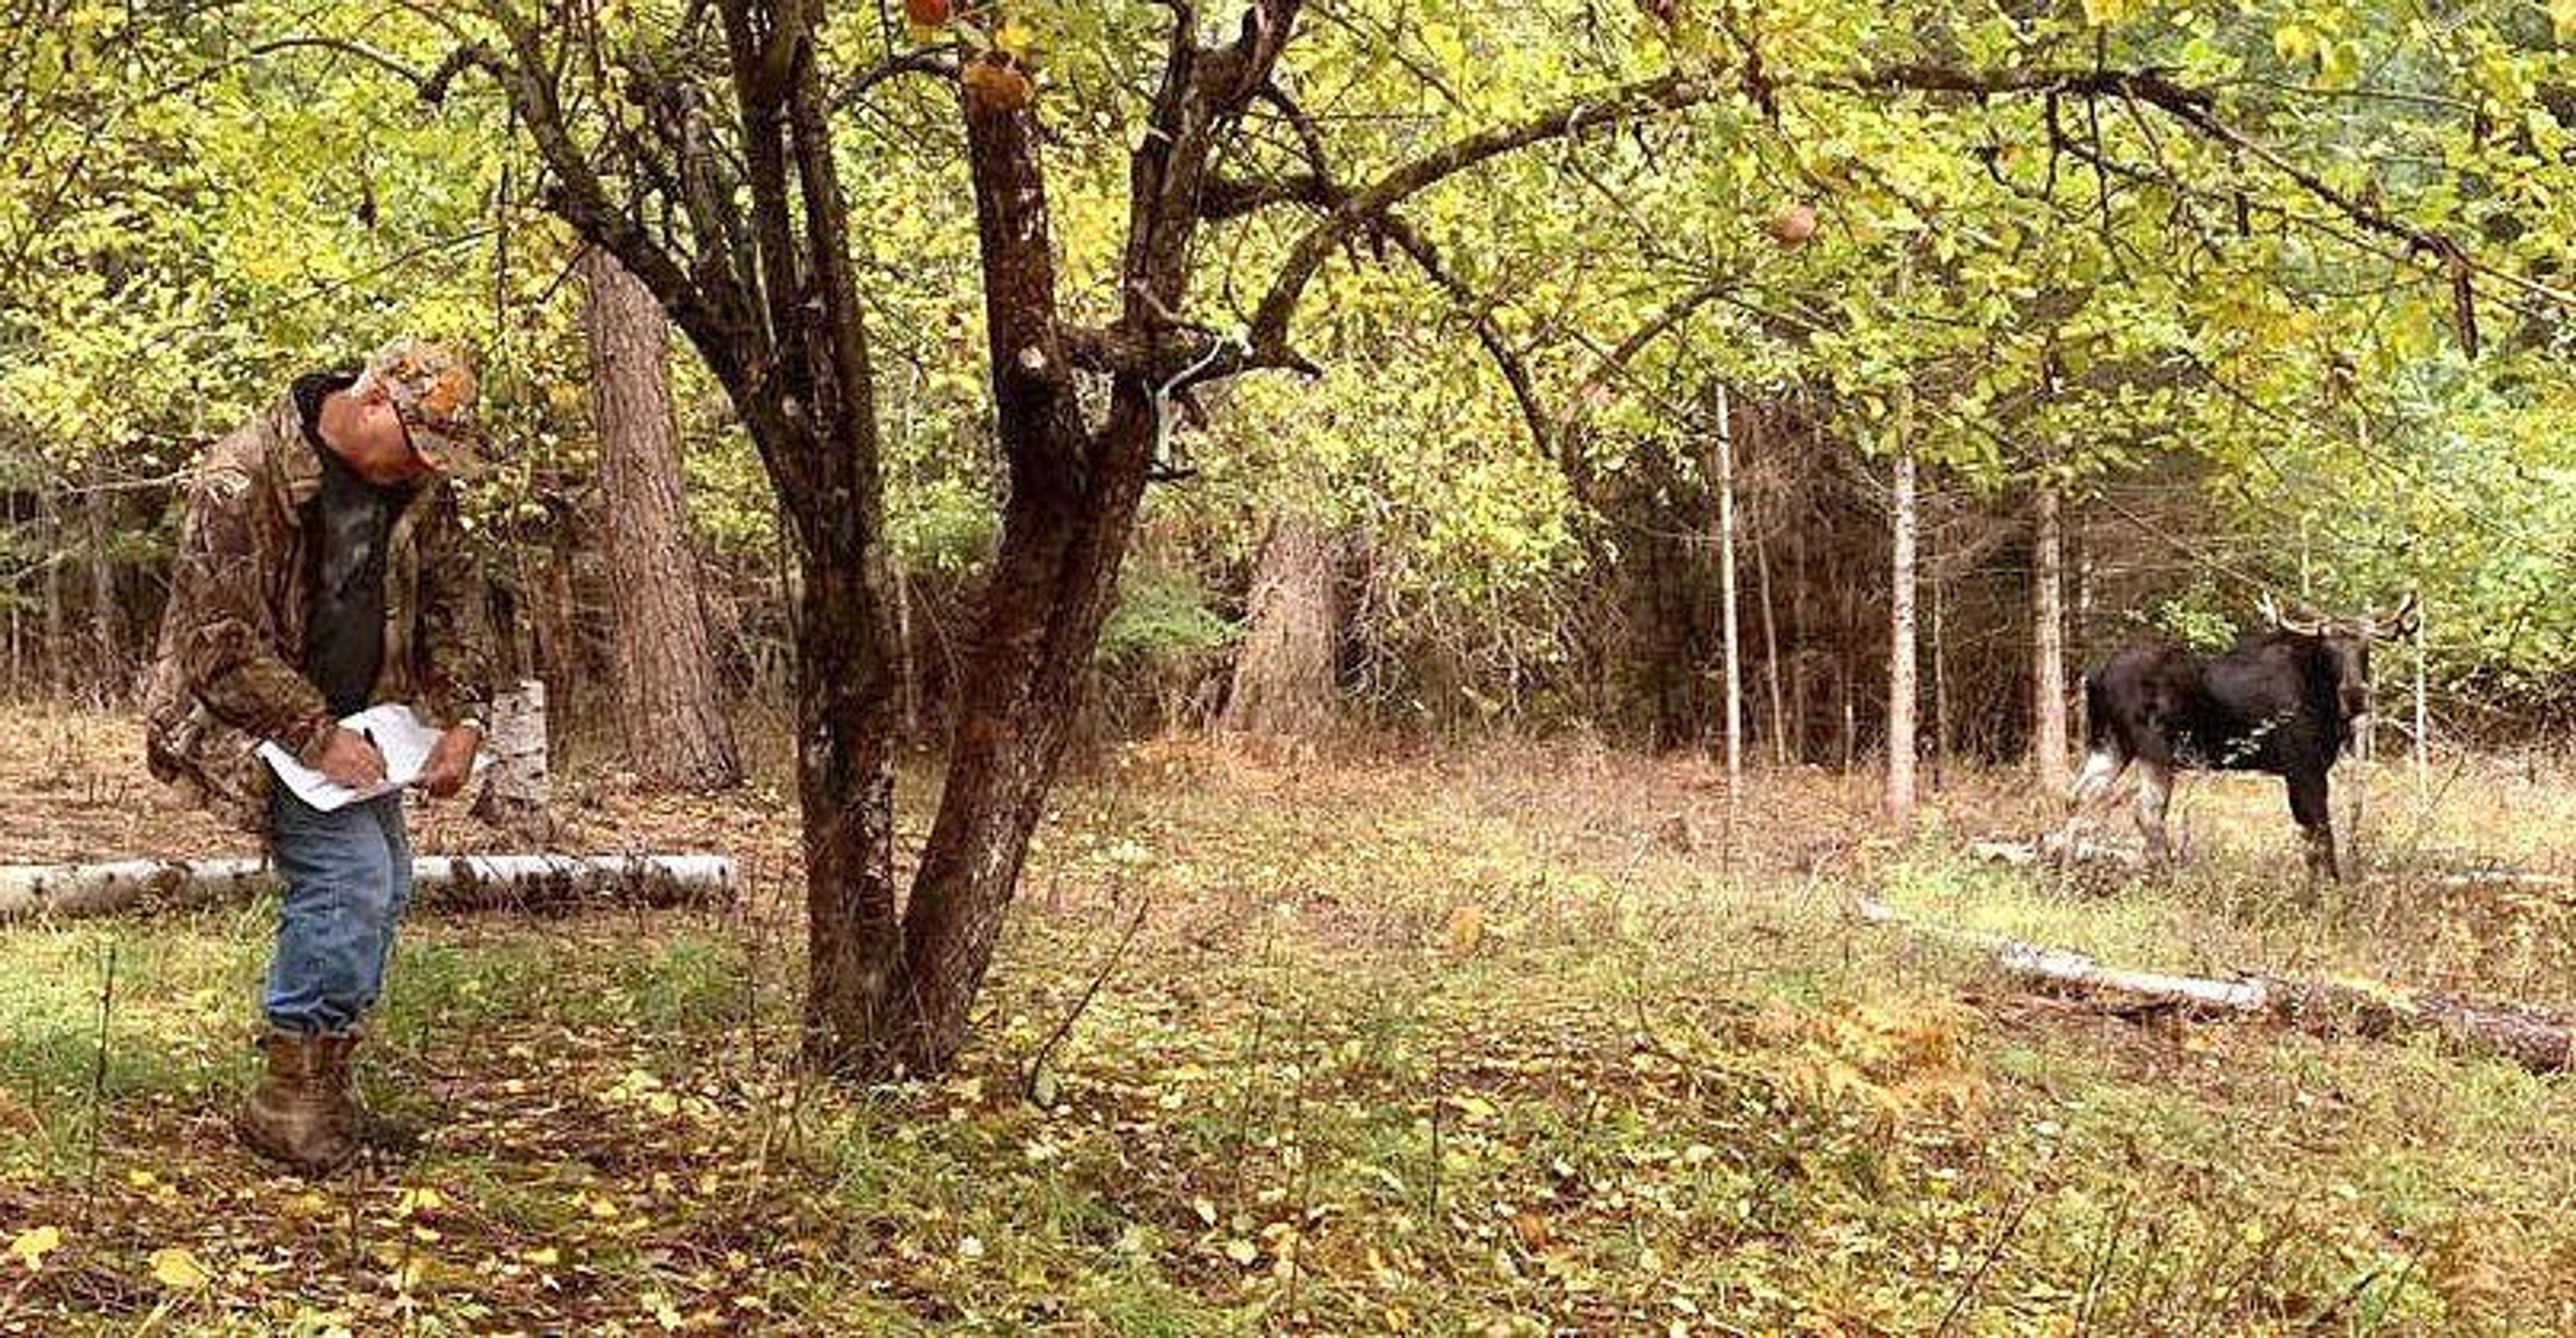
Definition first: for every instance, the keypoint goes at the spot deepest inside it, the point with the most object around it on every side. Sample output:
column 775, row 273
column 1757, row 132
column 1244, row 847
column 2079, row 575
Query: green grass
column 1419, row 1048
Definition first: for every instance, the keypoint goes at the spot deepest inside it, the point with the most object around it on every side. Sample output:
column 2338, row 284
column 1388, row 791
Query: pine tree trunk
column 1283, row 676
column 1900, row 647
column 2048, row 648
column 669, row 702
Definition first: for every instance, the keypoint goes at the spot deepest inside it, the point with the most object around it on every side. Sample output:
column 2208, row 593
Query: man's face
column 371, row 438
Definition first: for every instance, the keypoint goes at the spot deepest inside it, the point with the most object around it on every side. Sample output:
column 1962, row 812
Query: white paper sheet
column 398, row 733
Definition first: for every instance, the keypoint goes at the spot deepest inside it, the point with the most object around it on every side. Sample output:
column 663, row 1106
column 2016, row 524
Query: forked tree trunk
column 2048, row 647
column 1283, row 676
column 670, row 707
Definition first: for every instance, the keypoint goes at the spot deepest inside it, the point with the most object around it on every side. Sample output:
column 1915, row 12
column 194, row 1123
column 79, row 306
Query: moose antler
column 2303, row 625
column 2399, row 625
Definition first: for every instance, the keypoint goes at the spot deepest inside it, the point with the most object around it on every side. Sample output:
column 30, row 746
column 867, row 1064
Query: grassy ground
column 1514, row 1040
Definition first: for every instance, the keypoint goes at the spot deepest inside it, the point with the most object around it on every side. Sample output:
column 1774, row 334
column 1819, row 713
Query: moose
column 2284, row 701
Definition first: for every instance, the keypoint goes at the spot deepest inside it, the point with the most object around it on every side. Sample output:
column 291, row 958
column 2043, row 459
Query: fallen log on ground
column 2536, row 1040
column 456, row 882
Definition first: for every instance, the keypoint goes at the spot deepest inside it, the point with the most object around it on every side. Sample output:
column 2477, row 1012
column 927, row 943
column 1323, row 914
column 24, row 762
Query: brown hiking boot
column 301, row 1113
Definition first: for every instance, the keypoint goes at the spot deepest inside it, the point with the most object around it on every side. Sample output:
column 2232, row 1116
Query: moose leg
column 2155, row 790
column 2308, row 804
column 2102, row 768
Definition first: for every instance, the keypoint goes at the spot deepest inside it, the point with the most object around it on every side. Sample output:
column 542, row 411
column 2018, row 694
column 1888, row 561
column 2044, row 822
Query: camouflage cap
column 432, row 391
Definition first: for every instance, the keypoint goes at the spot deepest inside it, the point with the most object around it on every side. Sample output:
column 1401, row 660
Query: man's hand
column 451, row 761
column 352, row 761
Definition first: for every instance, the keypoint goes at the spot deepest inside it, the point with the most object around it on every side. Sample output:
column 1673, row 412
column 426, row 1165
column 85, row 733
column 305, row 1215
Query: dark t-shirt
column 344, row 631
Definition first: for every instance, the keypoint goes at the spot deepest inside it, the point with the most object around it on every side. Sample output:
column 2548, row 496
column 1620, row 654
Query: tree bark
column 2423, row 718
column 516, row 785
column 525, row 882
column 1900, row 644
column 2048, row 647
column 1941, row 738
column 1072, row 504
column 49, row 540
column 1771, row 650
column 106, row 621
column 1727, row 636
column 669, row 702
column 1283, row 676
column 17, row 631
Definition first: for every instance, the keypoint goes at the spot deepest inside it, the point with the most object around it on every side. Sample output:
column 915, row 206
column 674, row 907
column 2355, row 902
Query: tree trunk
column 907, row 660
column 669, row 703
column 2048, row 648
column 1941, row 739
column 1283, row 676
column 2423, row 718
column 1732, row 645
column 49, row 541
column 1770, row 649
column 1072, row 504
column 1802, row 626
column 17, row 629
column 106, row 620
column 1900, row 645
column 516, row 785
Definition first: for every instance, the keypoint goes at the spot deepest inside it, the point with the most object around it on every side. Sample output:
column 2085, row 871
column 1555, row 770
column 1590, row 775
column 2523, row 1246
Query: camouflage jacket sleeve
column 225, row 656
column 456, row 678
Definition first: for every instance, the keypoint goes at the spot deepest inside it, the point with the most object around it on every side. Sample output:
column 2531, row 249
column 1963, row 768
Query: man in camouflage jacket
column 319, row 572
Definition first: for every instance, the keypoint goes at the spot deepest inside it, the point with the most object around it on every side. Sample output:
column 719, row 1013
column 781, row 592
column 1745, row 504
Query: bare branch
column 1669, row 92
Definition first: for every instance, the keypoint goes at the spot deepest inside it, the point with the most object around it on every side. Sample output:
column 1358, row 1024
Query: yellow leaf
column 1466, row 929
column 544, row 1256
column 32, row 1245
column 1015, row 38
column 2562, row 18
column 173, row 1266
column 1242, row 1251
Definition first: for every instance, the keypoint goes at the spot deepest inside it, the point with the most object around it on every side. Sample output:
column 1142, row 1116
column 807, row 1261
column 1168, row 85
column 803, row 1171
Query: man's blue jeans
column 348, row 878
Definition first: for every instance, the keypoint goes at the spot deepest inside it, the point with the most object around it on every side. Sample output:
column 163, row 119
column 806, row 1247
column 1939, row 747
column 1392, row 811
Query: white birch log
column 530, row 882
column 514, row 793
column 2538, row 1041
